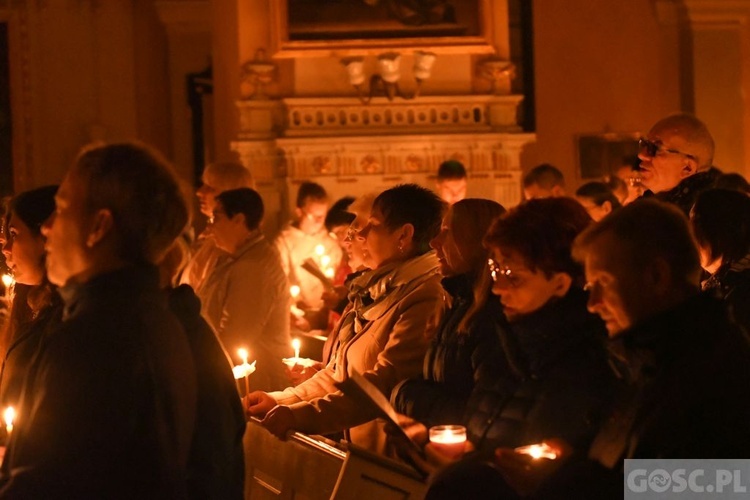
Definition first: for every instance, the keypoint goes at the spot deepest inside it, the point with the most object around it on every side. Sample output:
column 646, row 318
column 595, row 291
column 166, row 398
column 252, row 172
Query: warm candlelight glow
column 329, row 272
column 450, row 440
column 294, row 291
column 8, row 280
column 537, row 451
column 296, row 344
column 320, row 250
column 243, row 355
column 325, row 261
column 9, row 415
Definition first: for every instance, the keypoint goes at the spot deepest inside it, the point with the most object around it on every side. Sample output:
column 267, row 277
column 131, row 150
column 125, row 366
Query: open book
column 365, row 392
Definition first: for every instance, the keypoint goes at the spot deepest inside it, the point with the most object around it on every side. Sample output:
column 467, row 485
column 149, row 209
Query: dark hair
column 34, row 207
column 337, row 215
column 415, row 205
column 545, row 176
column 243, row 201
column 648, row 229
column 598, row 193
column 451, row 169
column 310, row 191
column 721, row 222
column 734, row 182
column 139, row 187
column 542, row 231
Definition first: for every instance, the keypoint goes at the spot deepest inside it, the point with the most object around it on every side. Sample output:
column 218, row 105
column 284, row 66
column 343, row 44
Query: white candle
column 296, row 344
column 243, row 354
column 9, row 415
column 450, row 440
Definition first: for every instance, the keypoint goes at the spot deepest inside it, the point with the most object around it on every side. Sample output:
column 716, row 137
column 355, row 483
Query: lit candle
column 537, row 451
column 8, row 280
column 294, row 291
column 296, row 345
column 9, row 415
column 243, row 354
column 329, row 272
column 325, row 261
column 320, row 250
column 449, row 440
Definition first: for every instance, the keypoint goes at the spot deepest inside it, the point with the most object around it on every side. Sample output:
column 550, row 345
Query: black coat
column 452, row 360
column 216, row 468
column 731, row 283
column 549, row 379
column 109, row 406
column 685, row 393
column 24, row 345
column 686, row 192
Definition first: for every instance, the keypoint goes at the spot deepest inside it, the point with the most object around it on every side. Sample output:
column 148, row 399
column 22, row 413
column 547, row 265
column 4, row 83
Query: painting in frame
column 600, row 155
column 341, row 28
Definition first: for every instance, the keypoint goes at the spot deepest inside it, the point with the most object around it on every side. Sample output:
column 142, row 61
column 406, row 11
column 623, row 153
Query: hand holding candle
column 537, row 451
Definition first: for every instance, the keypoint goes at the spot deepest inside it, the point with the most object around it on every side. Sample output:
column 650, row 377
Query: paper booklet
column 365, row 392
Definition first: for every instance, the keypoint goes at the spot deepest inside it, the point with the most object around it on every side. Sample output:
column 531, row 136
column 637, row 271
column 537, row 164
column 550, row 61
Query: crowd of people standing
column 607, row 325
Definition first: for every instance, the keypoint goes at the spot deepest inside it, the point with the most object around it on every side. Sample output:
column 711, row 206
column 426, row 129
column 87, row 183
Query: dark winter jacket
column 109, row 404
column 440, row 395
column 686, row 192
column 216, row 468
column 550, row 379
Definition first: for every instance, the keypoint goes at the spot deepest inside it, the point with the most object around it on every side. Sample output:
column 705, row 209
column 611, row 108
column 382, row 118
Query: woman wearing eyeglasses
column 382, row 334
column 466, row 329
column 549, row 376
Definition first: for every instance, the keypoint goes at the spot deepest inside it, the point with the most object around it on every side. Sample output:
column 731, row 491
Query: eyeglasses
column 652, row 149
column 498, row 272
column 351, row 234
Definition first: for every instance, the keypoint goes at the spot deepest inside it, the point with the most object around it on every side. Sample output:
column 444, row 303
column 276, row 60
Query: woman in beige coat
column 381, row 334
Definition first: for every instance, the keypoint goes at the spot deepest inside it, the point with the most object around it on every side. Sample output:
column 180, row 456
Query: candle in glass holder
column 537, row 451
column 9, row 415
column 449, row 440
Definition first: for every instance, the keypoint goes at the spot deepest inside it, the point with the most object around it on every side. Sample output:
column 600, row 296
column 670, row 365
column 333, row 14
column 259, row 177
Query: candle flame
column 9, row 415
column 296, row 344
column 8, row 280
column 329, row 273
column 294, row 291
column 537, row 451
column 320, row 249
column 243, row 355
column 325, row 260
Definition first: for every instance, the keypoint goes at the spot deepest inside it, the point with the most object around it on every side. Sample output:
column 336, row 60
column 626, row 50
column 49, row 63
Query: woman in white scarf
column 382, row 332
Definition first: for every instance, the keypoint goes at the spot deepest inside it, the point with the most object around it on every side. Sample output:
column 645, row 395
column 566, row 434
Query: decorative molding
column 345, row 116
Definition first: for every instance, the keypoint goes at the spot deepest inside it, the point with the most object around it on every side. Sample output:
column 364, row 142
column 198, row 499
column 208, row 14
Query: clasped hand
column 278, row 419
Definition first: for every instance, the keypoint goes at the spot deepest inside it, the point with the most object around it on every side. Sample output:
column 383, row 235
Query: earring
column 400, row 247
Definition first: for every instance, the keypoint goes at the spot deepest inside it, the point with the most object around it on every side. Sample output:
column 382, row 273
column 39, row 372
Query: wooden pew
column 300, row 468
column 312, row 467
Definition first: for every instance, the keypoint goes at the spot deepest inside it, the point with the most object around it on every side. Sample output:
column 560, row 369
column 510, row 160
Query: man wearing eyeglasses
column 676, row 160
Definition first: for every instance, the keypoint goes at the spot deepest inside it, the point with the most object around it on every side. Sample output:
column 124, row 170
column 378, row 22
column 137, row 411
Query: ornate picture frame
column 343, row 28
column 599, row 154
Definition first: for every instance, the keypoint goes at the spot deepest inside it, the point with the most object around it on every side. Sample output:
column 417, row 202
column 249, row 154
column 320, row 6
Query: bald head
column 697, row 139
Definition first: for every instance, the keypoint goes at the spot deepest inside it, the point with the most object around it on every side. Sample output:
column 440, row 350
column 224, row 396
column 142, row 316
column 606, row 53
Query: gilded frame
column 284, row 47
